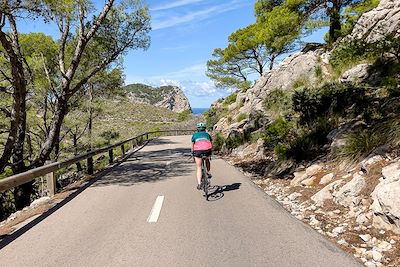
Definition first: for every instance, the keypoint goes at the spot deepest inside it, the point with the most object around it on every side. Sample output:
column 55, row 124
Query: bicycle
column 205, row 180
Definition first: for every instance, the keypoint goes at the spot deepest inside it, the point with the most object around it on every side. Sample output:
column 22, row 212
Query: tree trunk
column 334, row 23
column 54, row 132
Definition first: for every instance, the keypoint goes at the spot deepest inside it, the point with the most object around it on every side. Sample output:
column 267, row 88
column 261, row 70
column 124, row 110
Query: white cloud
column 174, row 4
column 170, row 20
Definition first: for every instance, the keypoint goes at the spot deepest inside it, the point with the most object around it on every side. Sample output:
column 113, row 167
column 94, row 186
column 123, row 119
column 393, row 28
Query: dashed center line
column 155, row 211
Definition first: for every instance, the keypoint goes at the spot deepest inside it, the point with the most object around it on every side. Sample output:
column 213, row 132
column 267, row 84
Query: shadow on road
column 217, row 192
column 139, row 167
column 145, row 167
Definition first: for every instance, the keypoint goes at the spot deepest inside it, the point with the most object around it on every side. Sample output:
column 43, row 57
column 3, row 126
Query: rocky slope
column 170, row 97
column 355, row 203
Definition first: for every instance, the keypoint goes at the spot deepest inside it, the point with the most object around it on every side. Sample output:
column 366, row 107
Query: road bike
column 205, row 180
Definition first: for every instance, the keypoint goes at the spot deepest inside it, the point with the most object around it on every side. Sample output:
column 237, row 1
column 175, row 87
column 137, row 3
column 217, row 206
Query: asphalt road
column 107, row 223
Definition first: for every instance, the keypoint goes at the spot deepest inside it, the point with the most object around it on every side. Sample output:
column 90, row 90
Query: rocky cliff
column 170, row 97
column 353, row 202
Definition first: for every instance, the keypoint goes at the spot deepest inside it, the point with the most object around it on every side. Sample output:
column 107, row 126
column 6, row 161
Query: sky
column 183, row 37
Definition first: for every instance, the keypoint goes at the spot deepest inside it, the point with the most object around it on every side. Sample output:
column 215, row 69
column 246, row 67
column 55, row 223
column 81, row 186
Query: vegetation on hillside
column 147, row 93
column 301, row 117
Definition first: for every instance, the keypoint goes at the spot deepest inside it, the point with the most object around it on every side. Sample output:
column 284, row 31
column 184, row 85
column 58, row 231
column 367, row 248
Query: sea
column 199, row 110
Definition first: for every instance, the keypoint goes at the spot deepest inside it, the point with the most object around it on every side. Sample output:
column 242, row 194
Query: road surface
column 107, row 224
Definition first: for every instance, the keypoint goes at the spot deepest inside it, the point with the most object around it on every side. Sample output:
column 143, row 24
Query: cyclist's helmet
column 201, row 126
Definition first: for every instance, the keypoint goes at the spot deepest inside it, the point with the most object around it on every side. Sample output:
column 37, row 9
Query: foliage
column 276, row 132
column 361, row 143
column 241, row 117
column 235, row 141
column 184, row 115
column 329, row 99
column 230, row 99
column 147, row 93
column 218, row 142
column 109, row 135
column 307, row 143
column 211, row 117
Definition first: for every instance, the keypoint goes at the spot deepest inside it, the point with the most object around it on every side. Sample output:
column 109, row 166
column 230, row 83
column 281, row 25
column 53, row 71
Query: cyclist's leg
column 208, row 165
column 198, row 169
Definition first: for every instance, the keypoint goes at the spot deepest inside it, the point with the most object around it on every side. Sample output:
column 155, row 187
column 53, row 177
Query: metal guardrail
column 49, row 169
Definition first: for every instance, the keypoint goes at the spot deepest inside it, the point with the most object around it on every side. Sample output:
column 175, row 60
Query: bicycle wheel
column 204, row 178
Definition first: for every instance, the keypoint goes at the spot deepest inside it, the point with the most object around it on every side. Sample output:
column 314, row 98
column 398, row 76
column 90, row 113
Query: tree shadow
column 152, row 167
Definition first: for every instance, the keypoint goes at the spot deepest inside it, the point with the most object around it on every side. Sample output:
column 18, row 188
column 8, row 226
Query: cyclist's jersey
column 202, row 141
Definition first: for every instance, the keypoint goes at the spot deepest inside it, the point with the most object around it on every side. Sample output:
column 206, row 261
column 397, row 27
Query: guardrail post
column 132, row 145
column 147, row 136
column 111, row 156
column 51, row 183
column 90, row 165
column 123, row 149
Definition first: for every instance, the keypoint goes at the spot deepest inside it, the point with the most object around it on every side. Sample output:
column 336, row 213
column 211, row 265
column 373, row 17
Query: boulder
column 367, row 163
column 348, row 195
column 392, row 172
column 309, row 181
column 327, row 178
column 326, row 193
column 314, row 169
column 382, row 21
column 386, row 202
column 298, row 178
column 357, row 74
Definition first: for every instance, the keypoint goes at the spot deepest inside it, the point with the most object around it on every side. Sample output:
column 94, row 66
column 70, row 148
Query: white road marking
column 155, row 211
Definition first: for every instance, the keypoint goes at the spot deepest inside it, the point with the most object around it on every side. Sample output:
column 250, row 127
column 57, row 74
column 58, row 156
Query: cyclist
column 201, row 146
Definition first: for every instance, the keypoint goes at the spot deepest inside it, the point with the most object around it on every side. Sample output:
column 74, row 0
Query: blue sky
column 184, row 35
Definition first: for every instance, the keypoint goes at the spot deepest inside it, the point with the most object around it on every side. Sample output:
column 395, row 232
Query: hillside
column 319, row 133
column 170, row 97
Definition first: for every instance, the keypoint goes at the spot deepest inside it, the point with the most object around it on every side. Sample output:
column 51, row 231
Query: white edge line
column 155, row 211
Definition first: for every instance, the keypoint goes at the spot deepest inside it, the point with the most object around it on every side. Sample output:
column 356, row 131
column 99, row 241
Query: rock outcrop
column 386, row 197
column 170, row 97
column 382, row 21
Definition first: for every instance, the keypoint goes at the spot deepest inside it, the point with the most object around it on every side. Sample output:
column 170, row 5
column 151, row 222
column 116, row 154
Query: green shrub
column 280, row 151
column 109, row 135
column 218, row 142
column 241, row 117
column 278, row 103
column 308, row 142
column 234, row 142
column 331, row 99
column 211, row 117
column 230, row 99
column 184, row 115
column 276, row 132
column 362, row 143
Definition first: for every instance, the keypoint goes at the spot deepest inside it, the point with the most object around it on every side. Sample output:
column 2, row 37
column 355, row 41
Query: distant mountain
column 170, row 97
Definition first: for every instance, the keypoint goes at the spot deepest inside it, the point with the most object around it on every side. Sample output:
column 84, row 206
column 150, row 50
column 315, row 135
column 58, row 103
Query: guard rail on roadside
column 49, row 169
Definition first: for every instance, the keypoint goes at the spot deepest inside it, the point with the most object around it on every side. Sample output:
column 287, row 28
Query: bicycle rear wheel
column 204, row 178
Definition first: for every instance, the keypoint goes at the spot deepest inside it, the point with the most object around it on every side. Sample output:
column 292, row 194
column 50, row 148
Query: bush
column 280, row 151
column 308, row 143
column 184, row 115
column 218, row 142
column 109, row 135
column 230, row 99
column 278, row 103
column 276, row 132
column 333, row 99
column 234, row 142
column 211, row 118
column 241, row 117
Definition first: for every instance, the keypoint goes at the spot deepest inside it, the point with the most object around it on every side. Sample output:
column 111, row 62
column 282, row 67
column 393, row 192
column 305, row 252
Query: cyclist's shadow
column 217, row 192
